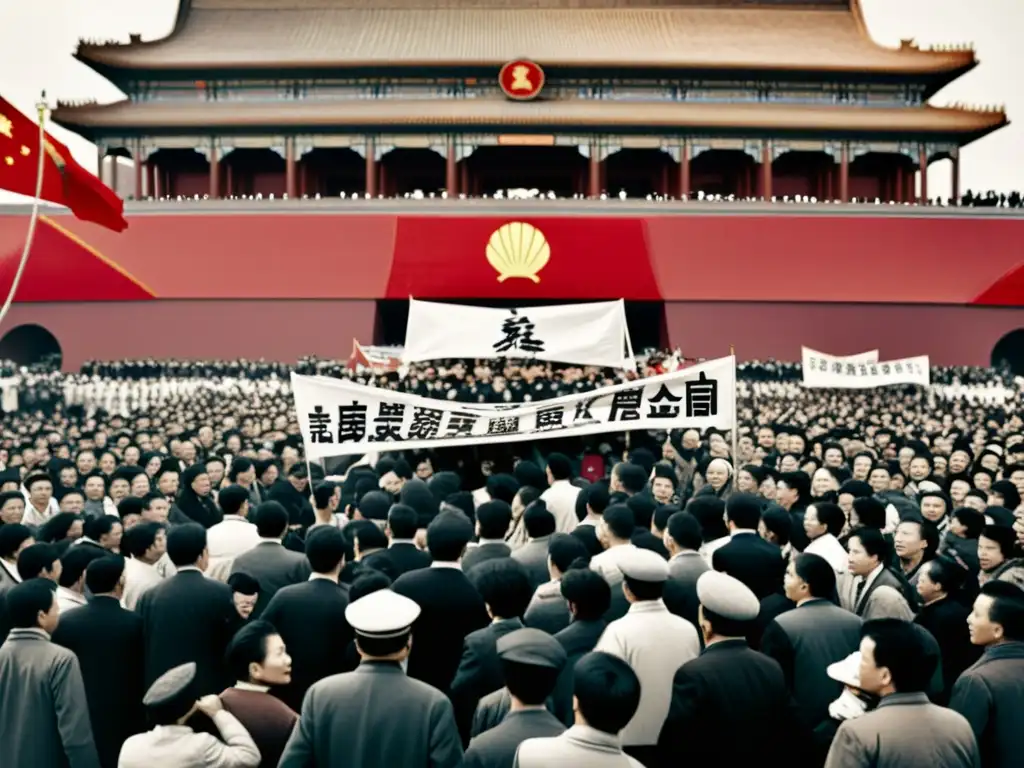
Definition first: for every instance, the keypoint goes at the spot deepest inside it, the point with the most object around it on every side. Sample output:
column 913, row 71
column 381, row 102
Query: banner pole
column 629, row 342
column 735, row 423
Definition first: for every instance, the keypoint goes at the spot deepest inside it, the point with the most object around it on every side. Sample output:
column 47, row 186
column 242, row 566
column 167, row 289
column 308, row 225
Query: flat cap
column 644, row 565
column 532, row 646
column 170, row 685
column 726, row 596
column 382, row 614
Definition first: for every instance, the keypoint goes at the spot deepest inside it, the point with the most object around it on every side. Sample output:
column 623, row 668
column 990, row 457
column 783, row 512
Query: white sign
column 584, row 334
column 826, row 372
column 339, row 418
column 863, row 357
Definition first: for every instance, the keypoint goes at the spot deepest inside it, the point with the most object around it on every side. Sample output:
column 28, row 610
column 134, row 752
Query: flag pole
column 735, row 423
column 34, row 217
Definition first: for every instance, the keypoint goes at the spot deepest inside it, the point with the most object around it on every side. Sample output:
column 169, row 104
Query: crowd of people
column 180, row 587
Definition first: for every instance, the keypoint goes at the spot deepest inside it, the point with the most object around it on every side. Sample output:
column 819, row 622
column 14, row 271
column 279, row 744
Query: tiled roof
column 320, row 33
column 497, row 113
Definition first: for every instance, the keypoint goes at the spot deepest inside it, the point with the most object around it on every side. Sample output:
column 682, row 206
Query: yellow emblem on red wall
column 518, row 249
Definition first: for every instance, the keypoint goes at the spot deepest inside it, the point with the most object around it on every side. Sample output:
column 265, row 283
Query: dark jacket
column 752, row 560
column 294, row 610
column 451, row 609
column 484, row 552
column 497, row 747
column 188, row 617
column 274, row 567
column 406, row 557
column 946, row 620
column 300, row 511
column 728, row 684
column 479, row 671
column 578, row 639
column 989, row 695
column 108, row 642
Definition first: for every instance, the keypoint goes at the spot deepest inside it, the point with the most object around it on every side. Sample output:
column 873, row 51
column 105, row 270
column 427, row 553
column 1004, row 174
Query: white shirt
column 68, row 600
column 828, row 547
column 708, row 550
column 561, row 502
column 178, row 746
column 655, row 643
column 138, row 578
column 12, row 570
column 226, row 540
column 33, row 517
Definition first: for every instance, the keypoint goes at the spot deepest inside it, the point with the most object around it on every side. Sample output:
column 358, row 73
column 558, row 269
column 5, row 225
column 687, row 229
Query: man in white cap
column 653, row 641
column 376, row 715
column 729, row 685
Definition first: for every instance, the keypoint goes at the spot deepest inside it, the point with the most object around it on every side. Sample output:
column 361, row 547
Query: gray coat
column 534, row 557
column 989, row 695
column 45, row 720
column 884, row 599
column 375, row 715
column 273, row 567
column 548, row 610
column 905, row 731
column 580, row 746
column 497, row 747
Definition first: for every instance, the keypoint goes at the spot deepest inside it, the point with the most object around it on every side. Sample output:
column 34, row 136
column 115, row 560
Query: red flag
column 65, row 182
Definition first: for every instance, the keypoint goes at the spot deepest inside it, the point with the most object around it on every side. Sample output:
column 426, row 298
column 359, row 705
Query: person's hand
column 210, row 705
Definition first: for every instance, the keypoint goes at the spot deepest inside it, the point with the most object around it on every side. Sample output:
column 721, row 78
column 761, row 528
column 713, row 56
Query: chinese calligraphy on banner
column 829, row 372
column 863, row 357
column 340, row 418
column 585, row 334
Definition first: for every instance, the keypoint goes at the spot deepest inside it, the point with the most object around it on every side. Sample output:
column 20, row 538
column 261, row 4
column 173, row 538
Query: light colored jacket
column 178, row 746
column 45, row 718
column 905, row 731
column 655, row 643
column 579, row 746
column 231, row 537
column 561, row 501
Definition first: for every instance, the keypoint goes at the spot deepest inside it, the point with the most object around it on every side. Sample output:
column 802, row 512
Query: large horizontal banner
column 823, row 373
column 811, row 358
column 584, row 334
column 340, row 418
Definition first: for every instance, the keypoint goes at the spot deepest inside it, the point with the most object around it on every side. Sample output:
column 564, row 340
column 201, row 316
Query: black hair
column 971, row 519
column 527, row 495
column 503, row 487
column 504, row 585
column 899, row 647
column 684, row 530
column 56, row 528
column 831, row 516
column 564, row 549
column 323, row 493
column 149, row 498
column 370, row 537
column 631, row 476
column 642, row 506
column 128, row 506
column 185, row 543
column 493, row 517
column 35, row 559
column 538, row 521
column 103, row 574
column 662, row 515
column 403, row 521
column 588, row 591
column 26, row 601
column 870, row 512
column 1007, row 608
column 709, row 511
column 947, row 574
column 12, row 536
column 744, row 511
column 607, row 691
column 367, row 582
column 98, row 527
column 560, row 466
column 140, row 537
column 619, row 520
column 248, row 646
column 75, row 561
column 243, row 583
column 596, row 497
column 374, row 505
column 929, row 533
column 873, row 541
column 531, row 684
column 271, row 520
column 587, row 534
column 325, row 548
column 798, row 481
column 817, row 572
column 232, row 498
column 447, row 537
column 1005, row 537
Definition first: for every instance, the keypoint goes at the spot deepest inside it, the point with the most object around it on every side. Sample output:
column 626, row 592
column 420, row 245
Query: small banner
column 585, row 334
column 827, row 372
column 339, row 418
column 863, row 357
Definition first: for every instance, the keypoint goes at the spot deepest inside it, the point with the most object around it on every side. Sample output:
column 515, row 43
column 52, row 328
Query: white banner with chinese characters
column 826, row 372
column 339, row 418
column 813, row 356
column 585, row 334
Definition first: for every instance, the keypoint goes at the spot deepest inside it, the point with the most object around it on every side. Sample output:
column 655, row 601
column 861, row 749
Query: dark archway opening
column 547, row 169
column 1009, row 352
column 724, row 172
column 30, row 344
column 332, row 171
column 408, row 170
column 638, row 172
column 646, row 321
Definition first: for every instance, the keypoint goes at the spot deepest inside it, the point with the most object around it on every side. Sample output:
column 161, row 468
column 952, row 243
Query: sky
column 37, row 38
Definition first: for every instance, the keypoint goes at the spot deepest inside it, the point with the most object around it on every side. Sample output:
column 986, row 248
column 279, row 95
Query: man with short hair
column 45, row 712
column 492, row 521
column 71, row 582
column 234, row 535
column 146, row 543
column 682, row 538
column 269, row 562
column 99, row 633
column 540, row 525
column 319, row 602
column 40, row 504
column 615, row 534
column 40, row 561
column 748, row 557
column 989, row 694
column 869, row 588
column 327, row 500
column 402, row 552
column 607, row 695
column 915, row 543
column 823, row 524
column 894, row 667
column 561, row 494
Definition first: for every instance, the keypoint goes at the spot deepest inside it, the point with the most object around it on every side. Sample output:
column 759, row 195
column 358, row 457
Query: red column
column 214, row 173
column 371, row 167
column 451, row 175
column 139, row 170
column 684, row 169
column 158, row 182
column 844, row 173
column 594, row 172
column 955, row 187
column 113, row 172
column 464, row 177
column 229, row 180
column 289, row 167
column 922, row 198
column 766, row 170
column 150, row 179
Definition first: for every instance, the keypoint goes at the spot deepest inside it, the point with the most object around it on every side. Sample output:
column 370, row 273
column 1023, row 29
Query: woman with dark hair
column 195, row 497
column 61, row 530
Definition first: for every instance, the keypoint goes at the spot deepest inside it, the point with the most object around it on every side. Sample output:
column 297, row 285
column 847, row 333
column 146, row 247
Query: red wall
column 759, row 330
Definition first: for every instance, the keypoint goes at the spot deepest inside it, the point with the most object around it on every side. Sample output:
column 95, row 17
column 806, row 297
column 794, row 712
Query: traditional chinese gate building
column 754, row 98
